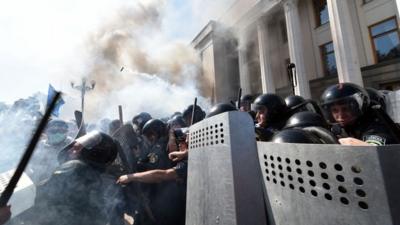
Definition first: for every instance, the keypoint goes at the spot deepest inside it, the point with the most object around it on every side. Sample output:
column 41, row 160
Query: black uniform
column 154, row 156
column 353, row 103
column 158, row 196
column 371, row 129
column 169, row 203
column 277, row 114
column 72, row 196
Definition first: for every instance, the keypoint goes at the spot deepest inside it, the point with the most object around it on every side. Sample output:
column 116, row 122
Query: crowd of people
column 137, row 171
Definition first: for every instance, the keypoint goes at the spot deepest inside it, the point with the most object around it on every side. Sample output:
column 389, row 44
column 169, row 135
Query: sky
column 43, row 41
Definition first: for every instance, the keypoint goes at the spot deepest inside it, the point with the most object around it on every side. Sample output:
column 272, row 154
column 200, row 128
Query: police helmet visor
column 89, row 140
column 344, row 110
column 257, row 107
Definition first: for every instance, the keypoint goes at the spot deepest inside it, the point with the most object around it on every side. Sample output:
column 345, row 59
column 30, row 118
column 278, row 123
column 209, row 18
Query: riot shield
column 331, row 184
column 224, row 183
column 128, row 141
column 303, row 184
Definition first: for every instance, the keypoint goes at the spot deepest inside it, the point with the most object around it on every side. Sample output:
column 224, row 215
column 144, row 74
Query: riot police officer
column 220, row 108
column 306, row 119
column 297, row 104
column 294, row 100
column 377, row 99
column 245, row 103
column 299, row 136
column 154, row 153
column 74, row 194
column 176, row 132
column 199, row 114
column 156, row 164
column 312, row 123
column 140, row 120
column 114, row 126
column 348, row 105
column 271, row 115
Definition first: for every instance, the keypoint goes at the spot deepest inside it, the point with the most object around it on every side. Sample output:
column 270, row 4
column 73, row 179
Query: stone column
column 244, row 71
column 398, row 8
column 267, row 79
column 344, row 42
column 296, row 49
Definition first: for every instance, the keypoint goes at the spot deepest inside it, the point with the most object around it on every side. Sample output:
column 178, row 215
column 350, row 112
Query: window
column 393, row 86
column 321, row 12
column 328, row 59
column 385, row 40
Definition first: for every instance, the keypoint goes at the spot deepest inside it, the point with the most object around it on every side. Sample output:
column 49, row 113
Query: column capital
column 288, row 5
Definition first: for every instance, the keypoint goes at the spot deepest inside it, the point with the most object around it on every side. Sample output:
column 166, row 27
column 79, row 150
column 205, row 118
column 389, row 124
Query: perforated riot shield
column 224, row 179
column 303, row 184
column 331, row 184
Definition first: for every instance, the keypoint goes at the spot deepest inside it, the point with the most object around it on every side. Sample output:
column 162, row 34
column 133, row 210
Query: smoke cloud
column 18, row 122
column 157, row 76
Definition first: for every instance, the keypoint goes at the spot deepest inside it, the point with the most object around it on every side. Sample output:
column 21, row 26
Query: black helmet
column 114, row 126
column 176, row 121
column 154, row 127
column 141, row 119
column 247, row 98
column 245, row 102
column 98, row 149
column 176, row 114
column 275, row 105
column 345, row 94
column 293, row 101
column 199, row 114
column 221, row 108
column 295, row 136
column 376, row 98
column 306, row 119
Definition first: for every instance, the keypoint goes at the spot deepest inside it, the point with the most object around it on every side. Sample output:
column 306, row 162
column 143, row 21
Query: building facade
column 325, row 42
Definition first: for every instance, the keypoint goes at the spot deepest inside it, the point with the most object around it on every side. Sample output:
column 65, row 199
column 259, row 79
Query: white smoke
column 18, row 123
column 158, row 76
column 143, row 92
